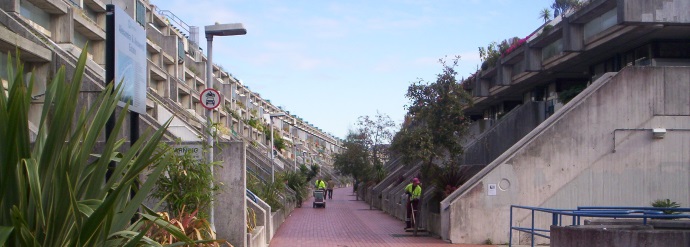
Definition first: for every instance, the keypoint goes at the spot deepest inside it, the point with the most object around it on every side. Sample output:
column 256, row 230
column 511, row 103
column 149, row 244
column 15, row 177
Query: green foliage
column 186, row 185
column 436, row 121
column 53, row 188
column 297, row 182
column 566, row 95
column 449, row 178
column 255, row 124
column 376, row 131
column 545, row 14
column 278, row 141
column 354, row 159
column 268, row 191
column 661, row 203
column 562, row 6
column 489, row 55
column 314, row 170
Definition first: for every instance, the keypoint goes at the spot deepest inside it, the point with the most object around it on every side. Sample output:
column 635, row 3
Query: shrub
column 54, row 193
column 666, row 204
column 187, row 184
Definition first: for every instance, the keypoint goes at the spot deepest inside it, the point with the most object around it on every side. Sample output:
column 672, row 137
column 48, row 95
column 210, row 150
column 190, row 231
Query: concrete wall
column 257, row 237
column 230, row 207
column 510, row 129
column 569, row 159
column 617, row 236
column 661, row 11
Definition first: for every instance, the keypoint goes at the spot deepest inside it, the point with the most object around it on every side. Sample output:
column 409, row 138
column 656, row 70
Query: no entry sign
column 210, row 98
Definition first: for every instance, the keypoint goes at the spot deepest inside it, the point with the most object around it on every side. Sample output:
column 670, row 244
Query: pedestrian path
column 346, row 222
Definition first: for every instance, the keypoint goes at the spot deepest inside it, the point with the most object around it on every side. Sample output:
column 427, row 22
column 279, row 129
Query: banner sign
column 130, row 60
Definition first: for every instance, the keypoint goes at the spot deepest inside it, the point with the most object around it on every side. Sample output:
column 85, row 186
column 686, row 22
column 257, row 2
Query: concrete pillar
column 573, row 36
column 230, row 205
column 533, row 59
column 62, row 28
column 10, row 6
column 505, row 74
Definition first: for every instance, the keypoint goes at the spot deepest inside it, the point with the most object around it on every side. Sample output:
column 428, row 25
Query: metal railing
column 576, row 215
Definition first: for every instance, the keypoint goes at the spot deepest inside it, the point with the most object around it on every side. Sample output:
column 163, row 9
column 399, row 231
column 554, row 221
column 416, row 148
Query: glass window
column 141, row 14
column 673, row 50
column 35, row 14
column 601, row 23
column 80, row 41
column 3, row 66
column 552, row 49
column 180, row 51
column 91, row 14
column 518, row 68
column 75, row 2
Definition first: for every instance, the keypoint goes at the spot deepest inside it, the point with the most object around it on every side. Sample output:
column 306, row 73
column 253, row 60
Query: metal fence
column 574, row 217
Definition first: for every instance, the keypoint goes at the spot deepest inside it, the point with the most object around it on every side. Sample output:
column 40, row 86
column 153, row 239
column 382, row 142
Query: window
column 35, row 14
column 80, row 41
column 3, row 66
column 77, row 3
column 518, row 68
column 672, row 50
column 141, row 14
column 180, row 51
column 550, row 109
column 552, row 50
column 601, row 23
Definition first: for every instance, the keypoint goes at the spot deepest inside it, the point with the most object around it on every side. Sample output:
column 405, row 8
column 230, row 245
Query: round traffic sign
column 210, row 98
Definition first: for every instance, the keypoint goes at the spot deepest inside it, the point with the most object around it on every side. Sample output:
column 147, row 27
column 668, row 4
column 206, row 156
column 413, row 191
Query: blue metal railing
column 643, row 213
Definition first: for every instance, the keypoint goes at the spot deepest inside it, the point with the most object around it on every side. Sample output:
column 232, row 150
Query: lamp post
column 273, row 164
column 215, row 30
column 294, row 153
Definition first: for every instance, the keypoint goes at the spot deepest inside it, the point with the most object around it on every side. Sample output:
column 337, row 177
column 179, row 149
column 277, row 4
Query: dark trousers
column 330, row 193
column 410, row 205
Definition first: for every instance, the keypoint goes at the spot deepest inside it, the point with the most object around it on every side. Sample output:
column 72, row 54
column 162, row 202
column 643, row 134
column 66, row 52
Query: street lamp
column 294, row 151
column 280, row 114
column 215, row 30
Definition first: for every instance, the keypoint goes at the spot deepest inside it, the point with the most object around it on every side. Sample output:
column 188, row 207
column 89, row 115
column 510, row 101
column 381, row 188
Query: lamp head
column 225, row 30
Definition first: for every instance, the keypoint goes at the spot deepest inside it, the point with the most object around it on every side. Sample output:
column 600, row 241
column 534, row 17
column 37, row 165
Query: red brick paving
column 347, row 223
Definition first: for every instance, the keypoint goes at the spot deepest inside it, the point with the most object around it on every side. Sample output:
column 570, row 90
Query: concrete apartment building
column 623, row 141
column 51, row 33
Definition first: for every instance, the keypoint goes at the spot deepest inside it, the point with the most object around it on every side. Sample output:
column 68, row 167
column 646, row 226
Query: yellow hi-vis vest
column 415, row 191
column 320, row 184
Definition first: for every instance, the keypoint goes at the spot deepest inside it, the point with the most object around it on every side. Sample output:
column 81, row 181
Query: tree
column 354, row 161
column 377, row 131
column 435, row 121
column 545, row 14
column 562, row 6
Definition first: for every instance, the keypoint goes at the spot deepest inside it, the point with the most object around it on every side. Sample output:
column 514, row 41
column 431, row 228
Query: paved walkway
column 347, row 223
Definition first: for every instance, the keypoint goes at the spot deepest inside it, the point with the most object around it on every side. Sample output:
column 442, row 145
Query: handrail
column 643, row 213
column 171, row 15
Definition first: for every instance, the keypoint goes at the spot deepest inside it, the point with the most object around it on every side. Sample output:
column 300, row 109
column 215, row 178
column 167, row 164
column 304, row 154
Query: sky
column 330, row 62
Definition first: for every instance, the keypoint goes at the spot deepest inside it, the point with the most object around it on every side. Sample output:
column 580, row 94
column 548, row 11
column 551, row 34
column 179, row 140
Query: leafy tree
column 545, row 14
column 377, row 131
column 435, row 121
column 354, row 161
column 562, row 6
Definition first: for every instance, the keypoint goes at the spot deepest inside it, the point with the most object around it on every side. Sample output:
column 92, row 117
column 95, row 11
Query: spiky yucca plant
column 54, row 191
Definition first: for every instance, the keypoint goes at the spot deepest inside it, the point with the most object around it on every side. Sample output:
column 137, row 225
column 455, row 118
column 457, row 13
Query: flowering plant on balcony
column 515, row 45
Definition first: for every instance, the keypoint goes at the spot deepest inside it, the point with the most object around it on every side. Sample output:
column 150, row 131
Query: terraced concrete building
column 52, row 33
column 624, row 140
